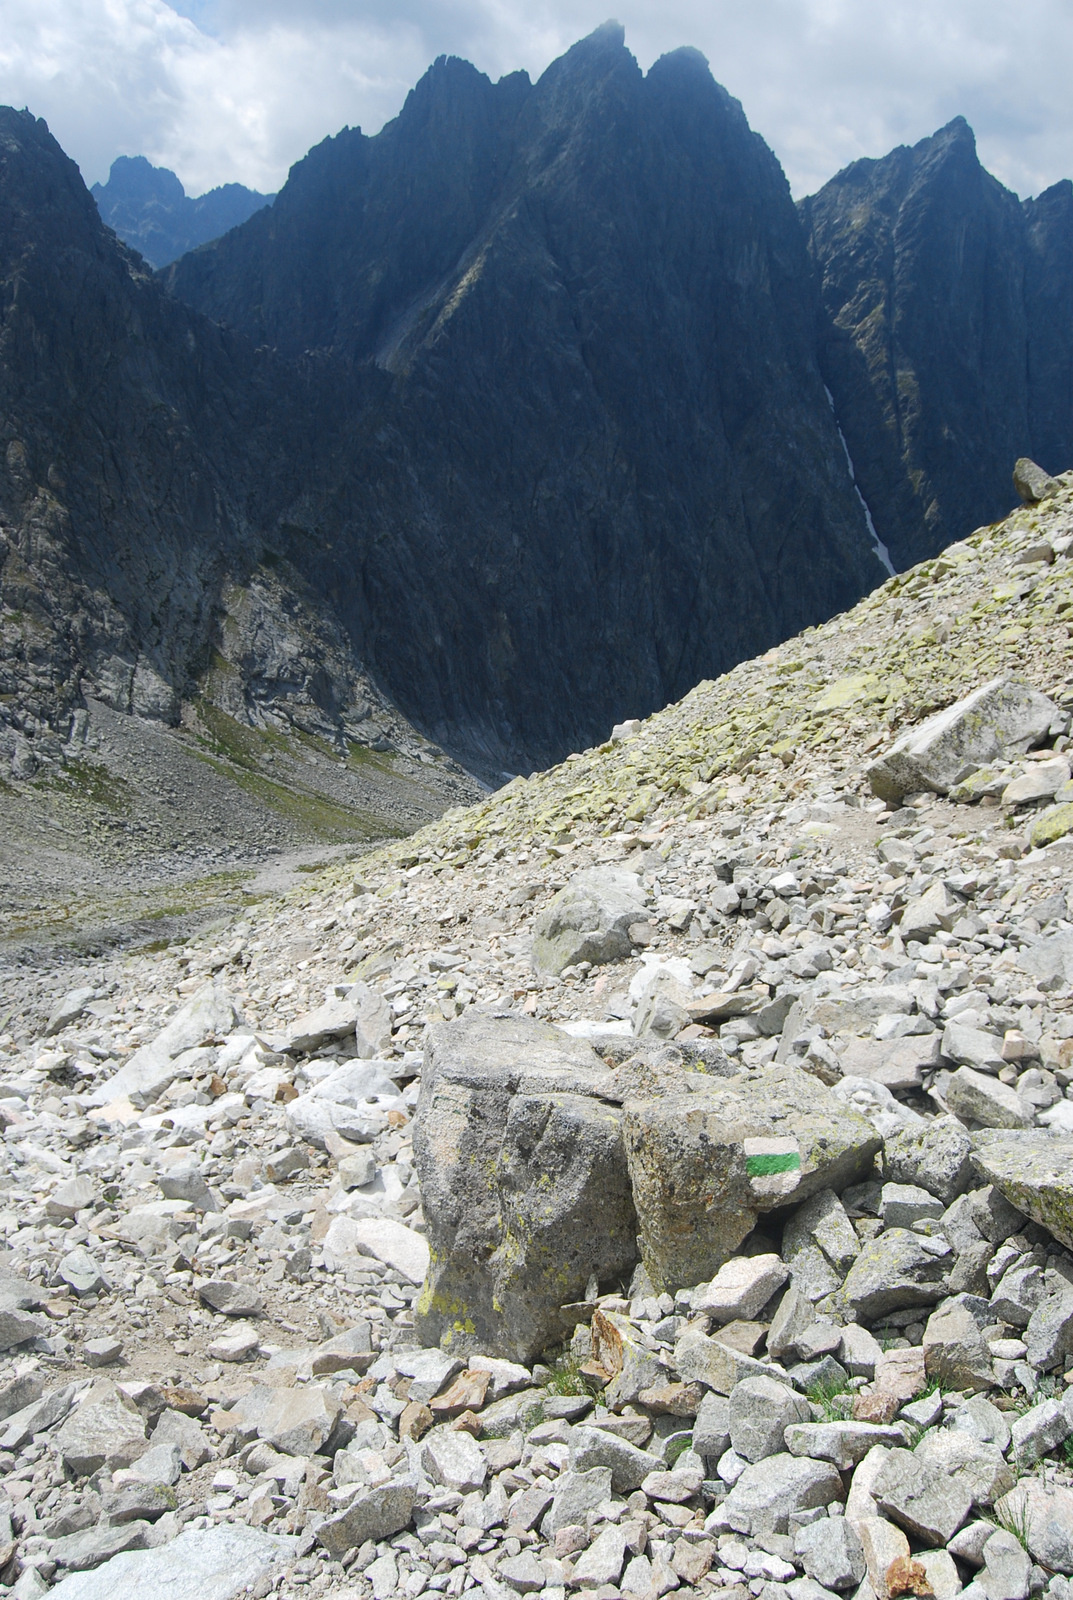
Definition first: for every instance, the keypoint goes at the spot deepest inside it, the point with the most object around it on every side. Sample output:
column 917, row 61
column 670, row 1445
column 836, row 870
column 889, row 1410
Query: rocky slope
column 227, row 1162
column 150, row 210
column 946, row 341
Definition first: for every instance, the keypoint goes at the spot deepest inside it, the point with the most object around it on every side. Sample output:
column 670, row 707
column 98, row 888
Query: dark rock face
column 947, row 335
column 599, row 464
column 141, row 474
column 150, row 210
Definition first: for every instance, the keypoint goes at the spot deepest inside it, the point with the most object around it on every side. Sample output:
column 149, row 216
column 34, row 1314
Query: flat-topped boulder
column 1001, row 719
column 539, row 1166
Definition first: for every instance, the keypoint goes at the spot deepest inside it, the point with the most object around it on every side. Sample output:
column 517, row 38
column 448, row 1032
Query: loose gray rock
column 1049, row 1334
column 232, row 1299
column 353, row 1101
column 90, row 1547
column 921, row 1498
column 1046, row 1511
column 589, row 920
column 979, row 1099
column 895, row 1270
column 17, row 1326
column 831, row 1552
column 187, row 1182
column 602, row 1561
column 741, row 1288
column 576, row 1494
column 81, row 1272
column 1040, row 1430
column 936, row 1157
column 844, row 1444
column 454, row 1459
column 1033, row 485
column 977, row 1467
column 226, row 1562
column 154, row 1067
column 595, row 1447
column 1007, row 1570
column 955, row 1355
column 768, row 1491
column 186, row 1434
column 704, row 1166
column 1001, row 719
column 370, row 1514
column 902, row 1204
column 102, row 1352
column 105, row 1430
column 979, row 1418
column 71, row 1197
column 524, row 1184
column 761, row 1410
column 820, row 1245
column 1034, row 1172
column 711, row 1427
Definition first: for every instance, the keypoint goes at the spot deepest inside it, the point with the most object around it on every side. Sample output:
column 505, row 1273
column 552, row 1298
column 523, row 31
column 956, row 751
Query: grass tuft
column 568, row 1378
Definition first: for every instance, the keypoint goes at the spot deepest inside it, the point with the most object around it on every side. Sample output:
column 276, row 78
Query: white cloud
column 239, row 89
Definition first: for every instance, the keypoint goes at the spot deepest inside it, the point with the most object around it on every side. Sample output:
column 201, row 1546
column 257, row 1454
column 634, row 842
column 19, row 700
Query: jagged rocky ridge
column 514, row 411
column 150, row 210
column 603, row 464
column 946, row 333
column 216, row 1175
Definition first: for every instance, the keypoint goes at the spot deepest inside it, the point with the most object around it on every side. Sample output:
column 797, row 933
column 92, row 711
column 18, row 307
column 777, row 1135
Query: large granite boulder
column 540, row 1166
column 705, row 1166
column 1001, row 719
column 589, row 920
column 524, row 1184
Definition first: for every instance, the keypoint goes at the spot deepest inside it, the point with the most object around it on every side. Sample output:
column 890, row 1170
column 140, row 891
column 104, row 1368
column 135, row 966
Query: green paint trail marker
column 773, row 1166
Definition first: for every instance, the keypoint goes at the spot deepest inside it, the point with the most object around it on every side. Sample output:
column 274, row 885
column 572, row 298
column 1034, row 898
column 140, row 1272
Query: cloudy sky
column 223, row 90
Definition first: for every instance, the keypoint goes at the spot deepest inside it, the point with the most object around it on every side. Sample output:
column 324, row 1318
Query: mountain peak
column 150, row 210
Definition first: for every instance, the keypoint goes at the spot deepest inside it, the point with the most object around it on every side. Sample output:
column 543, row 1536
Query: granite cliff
column 600, row 463
column 946, row 333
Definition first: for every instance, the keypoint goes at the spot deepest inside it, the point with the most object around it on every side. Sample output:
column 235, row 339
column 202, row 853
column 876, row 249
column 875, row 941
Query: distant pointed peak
column 956, row 132
column 610, row 34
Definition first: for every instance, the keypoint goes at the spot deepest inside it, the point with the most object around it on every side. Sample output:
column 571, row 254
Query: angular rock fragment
column 353, row 1102
column 221, row 1563
column 955, row 1355
column 832, row 1553
column 368, row 1514
column 766, row 1493
column 589, row 920
column 524, row 1184
column 741, row 1288
column 154, row 1066
column 105, row 1430
column 1031, row 482
column 761, row 1412
column 921, row 1498
column 1045, row 1511
column 1034, row 1173
column 1001, row 719
column 936, row 1157
column 895, row 1270
column 984, row 1101
column 705, row 1166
